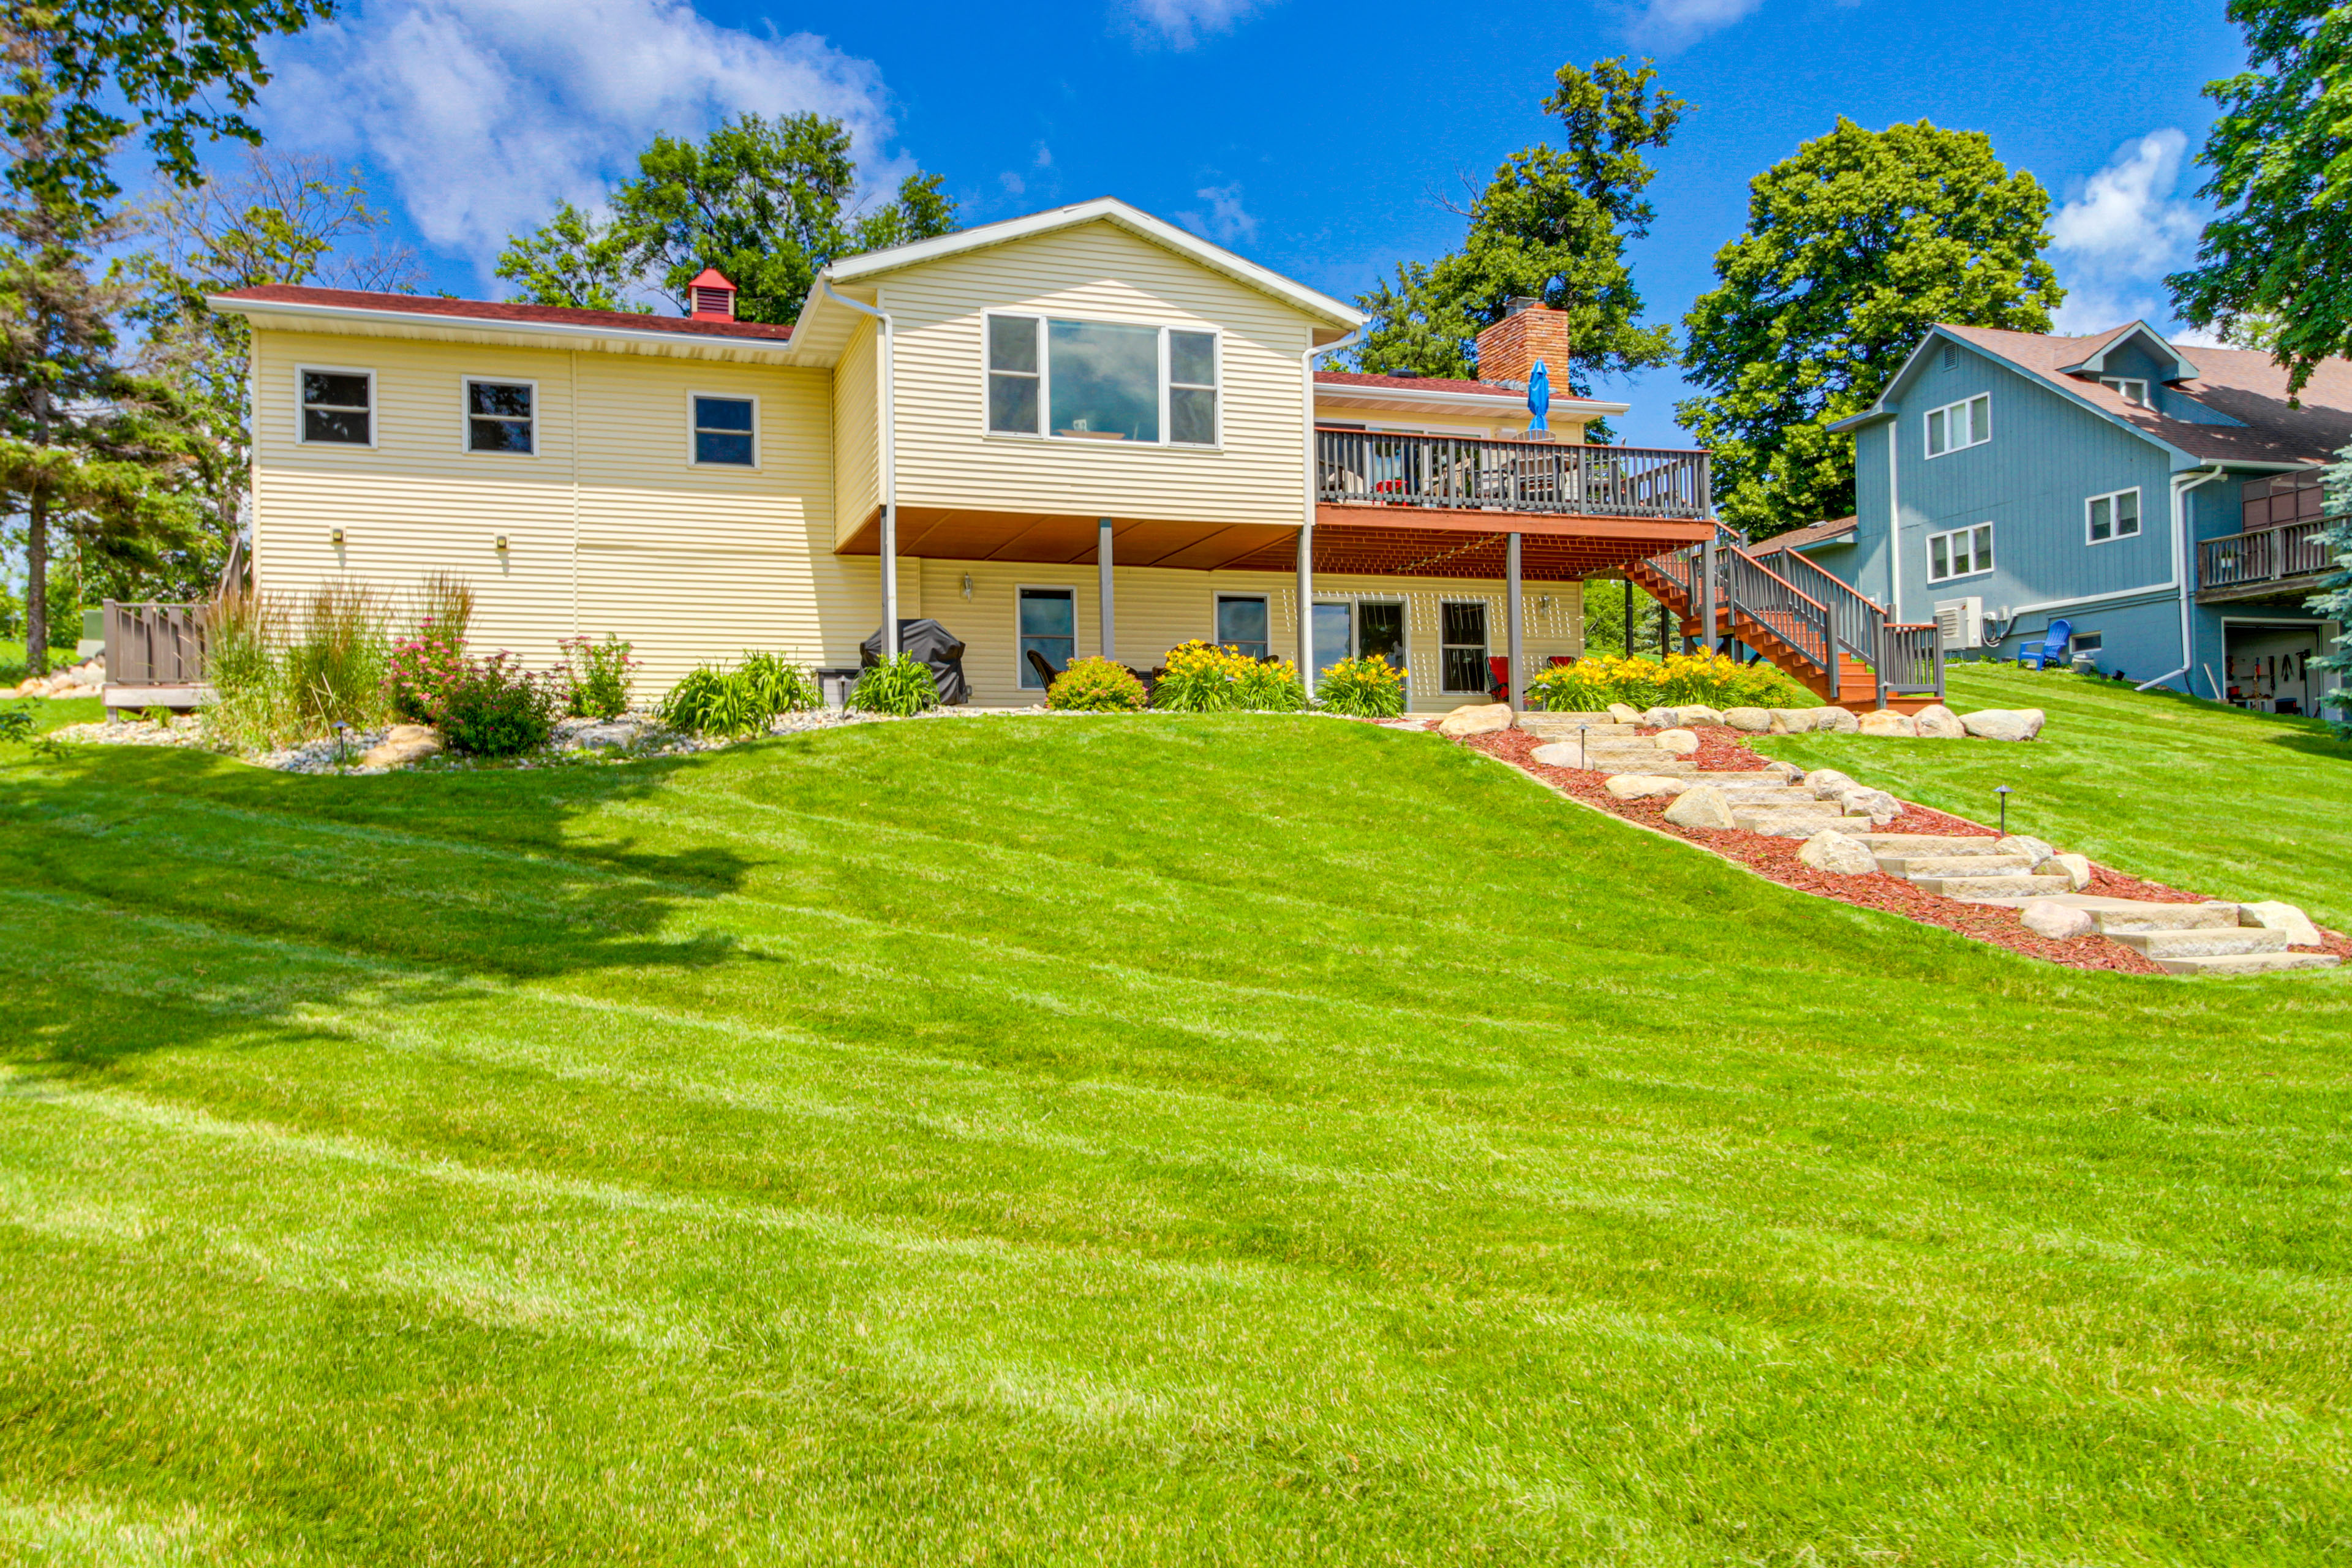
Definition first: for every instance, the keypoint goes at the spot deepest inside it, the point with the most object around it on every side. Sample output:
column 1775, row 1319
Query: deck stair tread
column 2244, row 962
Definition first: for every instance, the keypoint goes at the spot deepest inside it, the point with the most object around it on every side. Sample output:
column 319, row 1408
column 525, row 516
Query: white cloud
column 2117, row 238
column 484, row 113
column 1226, row 221
column 1182, row 23
column 1673, row 24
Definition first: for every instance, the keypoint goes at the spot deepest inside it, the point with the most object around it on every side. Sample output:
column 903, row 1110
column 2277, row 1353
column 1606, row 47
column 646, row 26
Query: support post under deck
column 1516, row 693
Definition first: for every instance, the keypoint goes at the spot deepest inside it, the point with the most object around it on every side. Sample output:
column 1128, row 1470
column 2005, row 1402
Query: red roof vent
column 713, row 296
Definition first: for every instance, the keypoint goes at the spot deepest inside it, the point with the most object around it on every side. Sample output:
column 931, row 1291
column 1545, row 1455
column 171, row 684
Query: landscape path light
column 2002, row 791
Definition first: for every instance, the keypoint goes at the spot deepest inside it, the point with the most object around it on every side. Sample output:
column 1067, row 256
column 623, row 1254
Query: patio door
column 1335, row 634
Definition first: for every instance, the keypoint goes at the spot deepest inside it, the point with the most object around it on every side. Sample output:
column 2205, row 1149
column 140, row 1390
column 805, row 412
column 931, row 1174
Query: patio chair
column 2042, row 655
column 1044, row 666
column 1499, row 669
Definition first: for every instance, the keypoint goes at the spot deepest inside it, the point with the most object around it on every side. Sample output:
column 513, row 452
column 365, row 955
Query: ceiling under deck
column 1360, row 540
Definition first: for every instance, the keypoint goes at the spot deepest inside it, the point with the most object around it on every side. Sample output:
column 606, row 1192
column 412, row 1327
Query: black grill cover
column 935, row 646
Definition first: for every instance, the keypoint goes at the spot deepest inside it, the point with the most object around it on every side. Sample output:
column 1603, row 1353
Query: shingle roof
column 1418, row 384
column 505, row 311
column 2243, row 383
column 1812, row 533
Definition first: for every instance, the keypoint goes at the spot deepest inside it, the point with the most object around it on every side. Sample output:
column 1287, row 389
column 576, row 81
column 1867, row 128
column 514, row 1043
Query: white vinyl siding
column 1958, row 426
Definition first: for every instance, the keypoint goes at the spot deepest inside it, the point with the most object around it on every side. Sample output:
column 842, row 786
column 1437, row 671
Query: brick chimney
column 1529, row 331
column 713, row 296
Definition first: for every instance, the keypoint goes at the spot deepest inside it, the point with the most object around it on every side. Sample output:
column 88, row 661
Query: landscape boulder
column 611, row 733
column 1836, row 721
column 1701, row 805
column 1619, row 713
column 1888, row 722
column 2076, row 867
column 2003, row 724
column 1787, row 773
column 1643, row 786
column 1660, row 718
column 1476, row 718
column 1825, row 783
column 1698, row 713
column 1681, row 743
column 1874, row 804
column 1938, row 723
column 1792, row 721
column 2300, row 931
column 404, row 744
column 2059, row 923
column 1562, row 754
column 2033, row 849
column 1838, row 854
column 1751, row 720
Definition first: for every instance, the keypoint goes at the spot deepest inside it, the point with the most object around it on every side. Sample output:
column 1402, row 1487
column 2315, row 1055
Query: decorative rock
column 1876, row 804
column 1565, row 754
column 2059, row 923
column 2078, row 868
column 2300, row 931
column 1660, row 718
column 1837, row 721
column 1752, row 720
column 1681, row 743
column 1938, row 723
column 1838, row 854
column 1642, row 787
column 1793, row 721
column 2033, row 849
column 1825, row 783
column 1697, row 713
column 1888, row 722
column 2003, row 724
column 1619, row 713
column 1787, row 773
column 1702, row 806
column 403, row 744
column 612, row 733
column 1476, row 718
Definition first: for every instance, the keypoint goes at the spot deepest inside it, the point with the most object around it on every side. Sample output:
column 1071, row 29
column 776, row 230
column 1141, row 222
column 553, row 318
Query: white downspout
column 889, row 557
column 1306, row 516
column 2184, row 575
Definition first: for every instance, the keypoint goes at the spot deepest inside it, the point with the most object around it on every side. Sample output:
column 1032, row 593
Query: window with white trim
column 1963, row 552
column 1102, row 381
column 1049, row 630
column 1461, row 641
column 2112, row 516
column 726, row 432
column 500, row 416
column 2131, row 388
column 1968, row 423
column 338, row 406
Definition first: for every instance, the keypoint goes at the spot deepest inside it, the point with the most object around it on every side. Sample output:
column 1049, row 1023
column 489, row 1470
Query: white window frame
column 759, row 448
column 1219, row 595
column 1969, row 534
column 1486, row 648
column 2123, row 386
column 1977, row 436
column 301, row 404
column 1044, row 431
column 2138, row 518
column 466, row 385
column 1020, row 659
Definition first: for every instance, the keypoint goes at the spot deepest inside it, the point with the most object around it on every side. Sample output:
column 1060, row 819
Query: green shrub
column 902, row 686
column 1591, row 684
column 597, row 677
column 1096, row 685
column 739, row 702
column 424, row 661
column 1203, row 678
column 1365, row 688
column 781, row 686
column 494, row 707
column 336, row 662
column 251, row 709
column 1269, row 686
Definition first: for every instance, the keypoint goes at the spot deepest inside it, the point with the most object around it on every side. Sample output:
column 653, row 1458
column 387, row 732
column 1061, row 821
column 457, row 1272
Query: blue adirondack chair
column 2042, row 655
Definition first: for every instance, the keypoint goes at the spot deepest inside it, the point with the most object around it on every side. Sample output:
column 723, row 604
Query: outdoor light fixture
column 335, row 537
column 500, row 544
column 1580, row 728
column 967, row 584
column 2002, row 791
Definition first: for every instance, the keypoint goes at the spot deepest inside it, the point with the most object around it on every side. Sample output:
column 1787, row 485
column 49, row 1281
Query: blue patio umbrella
column 1539, row 397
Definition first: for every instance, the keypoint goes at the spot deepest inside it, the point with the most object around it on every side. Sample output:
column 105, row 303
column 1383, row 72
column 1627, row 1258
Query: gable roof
column 356, row 306
column 1836, row 529
column 1421, row 384
column 2095, row 361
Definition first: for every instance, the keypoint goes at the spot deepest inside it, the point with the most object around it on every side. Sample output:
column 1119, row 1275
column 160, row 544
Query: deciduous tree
column 1854, row 248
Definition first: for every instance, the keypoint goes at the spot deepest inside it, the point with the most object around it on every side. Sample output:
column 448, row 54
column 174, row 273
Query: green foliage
column 779, row 685
column 495, row 707
column 2334, row 599
column 902, row 686
column 1590, row 685
column 1096, row 685
column 1605, row 621
column 421, row 665
column 1552, row 224
column 1368, row 687
column 742, row 701
column 335, row 664
column 1203, row 678
column 15, row 724
column 597, row 677
column 1854, row 245
column 2274, row 257
column 250, row 709
column 758, row 199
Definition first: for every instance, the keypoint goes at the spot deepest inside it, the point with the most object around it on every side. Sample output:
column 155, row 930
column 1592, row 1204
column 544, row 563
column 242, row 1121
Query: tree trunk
column 36, row 587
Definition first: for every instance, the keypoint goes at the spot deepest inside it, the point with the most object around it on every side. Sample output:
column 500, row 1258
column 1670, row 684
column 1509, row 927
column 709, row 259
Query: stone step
column 2245, row 963
column 1777, row 825
column 1929, row 844
column 1914, row 866
column 2202, row 942
column 2162, row 916
column 1992, row 889
column 1551, row 726
column 1809, row 810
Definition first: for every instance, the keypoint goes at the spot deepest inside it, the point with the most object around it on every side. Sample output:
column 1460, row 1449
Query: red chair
column 1498, row 668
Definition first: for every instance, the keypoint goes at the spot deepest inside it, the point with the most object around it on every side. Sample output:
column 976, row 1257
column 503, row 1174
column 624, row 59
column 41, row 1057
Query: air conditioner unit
column 1960, row 623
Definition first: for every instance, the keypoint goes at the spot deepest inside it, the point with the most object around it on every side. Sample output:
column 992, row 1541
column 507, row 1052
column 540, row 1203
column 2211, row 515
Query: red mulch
column 1776, row 858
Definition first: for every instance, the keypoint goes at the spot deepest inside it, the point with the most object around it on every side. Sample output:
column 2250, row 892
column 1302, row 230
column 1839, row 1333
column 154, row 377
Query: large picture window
column 1240, row 622
column 1463, row 636
column 1049, row 629
column 1101, row 381
column 1963, row 552
column 1968, row 423
column 339, row 407
column 2110, row 517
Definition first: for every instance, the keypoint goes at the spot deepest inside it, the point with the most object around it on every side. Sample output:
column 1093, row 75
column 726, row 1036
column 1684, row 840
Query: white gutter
column 1307, row 515
column 568, row 331
column 2182, row 578
column 889, row 557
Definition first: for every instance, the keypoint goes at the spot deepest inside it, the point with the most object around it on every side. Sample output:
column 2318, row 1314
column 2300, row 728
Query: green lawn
column 2213, row 799
column 1146, row 1141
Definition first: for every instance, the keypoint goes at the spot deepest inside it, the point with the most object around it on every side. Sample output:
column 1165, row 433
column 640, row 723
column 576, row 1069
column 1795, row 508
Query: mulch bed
column 1727, row 750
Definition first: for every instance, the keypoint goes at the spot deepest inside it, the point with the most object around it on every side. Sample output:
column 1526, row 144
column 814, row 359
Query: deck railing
column 1371, row 467
column 2265, row 554
column 154, row 645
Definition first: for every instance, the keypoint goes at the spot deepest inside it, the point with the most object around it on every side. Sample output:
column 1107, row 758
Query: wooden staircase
column 1824, row 633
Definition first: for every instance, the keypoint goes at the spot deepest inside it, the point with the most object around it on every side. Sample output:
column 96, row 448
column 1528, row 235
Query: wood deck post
column 1102, row 575
column 1517, row 694
column 1707, row 619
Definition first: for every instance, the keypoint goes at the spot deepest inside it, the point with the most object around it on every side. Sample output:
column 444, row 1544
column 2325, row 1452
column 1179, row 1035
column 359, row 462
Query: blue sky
column 1314, row 136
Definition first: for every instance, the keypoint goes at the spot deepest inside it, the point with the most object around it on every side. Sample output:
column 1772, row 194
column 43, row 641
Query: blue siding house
column 2163, row 501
